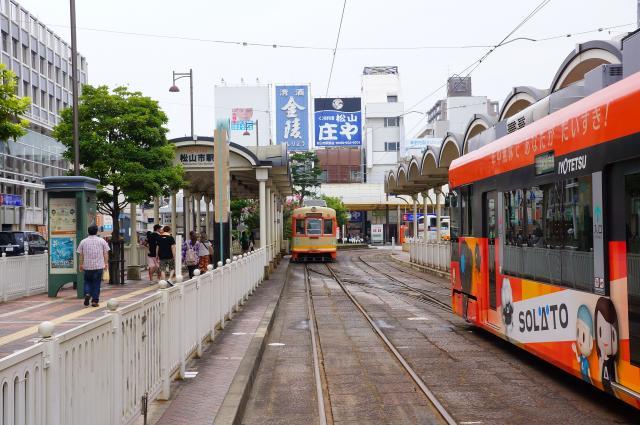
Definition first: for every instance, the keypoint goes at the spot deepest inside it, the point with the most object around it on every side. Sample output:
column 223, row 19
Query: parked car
column 17, row 242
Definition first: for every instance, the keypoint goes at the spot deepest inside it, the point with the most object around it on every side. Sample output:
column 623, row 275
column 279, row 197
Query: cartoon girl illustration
column 507, row 306
column 584, row 341
column 607, row 341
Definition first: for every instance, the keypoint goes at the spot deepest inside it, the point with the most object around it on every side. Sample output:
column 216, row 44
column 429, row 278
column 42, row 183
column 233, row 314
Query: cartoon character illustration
column 584, row 341
column 478, row 258
column 607, row 341
column 507, row 305
column 466, row 267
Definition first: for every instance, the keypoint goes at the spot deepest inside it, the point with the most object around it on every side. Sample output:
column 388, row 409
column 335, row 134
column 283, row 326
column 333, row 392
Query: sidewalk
column 19, row 319
column 218, row 382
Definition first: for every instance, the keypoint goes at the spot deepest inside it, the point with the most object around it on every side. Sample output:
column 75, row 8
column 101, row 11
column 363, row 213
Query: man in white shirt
column 94, row 258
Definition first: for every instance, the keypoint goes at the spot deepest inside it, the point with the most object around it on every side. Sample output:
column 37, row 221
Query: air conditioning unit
column 519, row 120
column 601, row 77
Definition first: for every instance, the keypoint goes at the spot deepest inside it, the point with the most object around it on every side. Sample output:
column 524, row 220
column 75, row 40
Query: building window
column 392, row 98
column 25, row 55
column 43, row 66
column 5, row 42
column 51, row 104
column 392, row 122
column 64, row 79
column 58, row 106
column 15, row 48
column 34, row 97
column 50, row 70
column 14, row 12
column 57, row 75
column 392, row 146
column 34, row 60
column 43, row 99
column 25, row 88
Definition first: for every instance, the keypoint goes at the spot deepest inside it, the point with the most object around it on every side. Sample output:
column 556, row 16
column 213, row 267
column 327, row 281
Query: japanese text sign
column 338, row 122
column 292, row 117
column 11, row 200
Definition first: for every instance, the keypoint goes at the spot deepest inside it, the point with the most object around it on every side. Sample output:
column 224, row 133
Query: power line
column 333, row 58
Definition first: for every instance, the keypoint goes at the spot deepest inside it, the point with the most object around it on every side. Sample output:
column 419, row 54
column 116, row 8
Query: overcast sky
column 145, row 63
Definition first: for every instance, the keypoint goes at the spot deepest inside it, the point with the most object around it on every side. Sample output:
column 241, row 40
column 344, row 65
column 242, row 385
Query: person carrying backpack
column 190, row 252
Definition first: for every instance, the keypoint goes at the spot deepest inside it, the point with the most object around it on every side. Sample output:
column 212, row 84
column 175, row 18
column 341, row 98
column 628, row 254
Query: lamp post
column 175, row 89
column 74, row 89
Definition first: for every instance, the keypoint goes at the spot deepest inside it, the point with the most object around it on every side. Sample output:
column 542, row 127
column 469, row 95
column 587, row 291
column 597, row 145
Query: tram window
column 466, row 210
column 632, row 213
column 514, row 217
column 454, row 205
column 314, row 226
column 549, row 234
column 300, row 226
column 328, row 227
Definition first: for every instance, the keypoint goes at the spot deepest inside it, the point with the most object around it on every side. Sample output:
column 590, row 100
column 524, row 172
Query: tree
column 305, row 173
column 337, row 204
column 12, row 106
column 123, row 144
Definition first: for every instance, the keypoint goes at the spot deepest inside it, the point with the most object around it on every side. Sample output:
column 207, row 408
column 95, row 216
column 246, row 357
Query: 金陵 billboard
column 338, row 121
column 292, row 117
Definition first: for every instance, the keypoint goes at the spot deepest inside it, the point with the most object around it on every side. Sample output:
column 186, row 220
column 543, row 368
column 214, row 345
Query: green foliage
column 337, row 204
column 245, row 211
column 287, row 212
column 305, row 173
column 123, row 144
column 11, row 107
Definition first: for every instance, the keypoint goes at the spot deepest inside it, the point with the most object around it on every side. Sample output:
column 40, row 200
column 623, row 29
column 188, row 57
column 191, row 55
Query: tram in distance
column 313, row 234
column 545, row 231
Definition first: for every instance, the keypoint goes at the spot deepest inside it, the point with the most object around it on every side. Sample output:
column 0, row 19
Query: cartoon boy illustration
column 607, row 341
column 584, row 341
column 507, row 305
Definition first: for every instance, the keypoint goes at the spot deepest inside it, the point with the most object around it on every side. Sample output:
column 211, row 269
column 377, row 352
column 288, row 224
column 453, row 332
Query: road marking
column 22, row 310
column 73, row 315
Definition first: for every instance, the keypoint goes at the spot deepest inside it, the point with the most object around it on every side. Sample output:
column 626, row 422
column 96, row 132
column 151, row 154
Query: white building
column 248, row 111
column 452, row 115
column 383, row 121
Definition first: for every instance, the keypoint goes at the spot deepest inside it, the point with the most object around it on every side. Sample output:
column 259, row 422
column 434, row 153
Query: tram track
column 424, row 389
column 424, row 294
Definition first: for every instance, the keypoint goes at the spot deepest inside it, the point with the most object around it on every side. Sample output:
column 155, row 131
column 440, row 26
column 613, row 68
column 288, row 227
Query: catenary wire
column 333, row 57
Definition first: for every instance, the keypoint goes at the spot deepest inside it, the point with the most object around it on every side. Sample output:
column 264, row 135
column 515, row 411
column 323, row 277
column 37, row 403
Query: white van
column 432, row 227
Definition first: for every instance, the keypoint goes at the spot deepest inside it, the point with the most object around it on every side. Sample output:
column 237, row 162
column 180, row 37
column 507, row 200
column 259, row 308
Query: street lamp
column 175, row 89
column 74, row 89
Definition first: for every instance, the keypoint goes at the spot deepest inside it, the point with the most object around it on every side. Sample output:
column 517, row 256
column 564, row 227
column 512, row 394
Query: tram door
column 490, row 231
column 624, row 225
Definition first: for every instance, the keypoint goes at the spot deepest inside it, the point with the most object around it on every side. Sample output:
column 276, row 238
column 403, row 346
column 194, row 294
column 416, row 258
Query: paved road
column 478, row 377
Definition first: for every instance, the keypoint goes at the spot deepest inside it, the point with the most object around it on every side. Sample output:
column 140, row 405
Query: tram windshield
column 314, row 226
column 300, row 226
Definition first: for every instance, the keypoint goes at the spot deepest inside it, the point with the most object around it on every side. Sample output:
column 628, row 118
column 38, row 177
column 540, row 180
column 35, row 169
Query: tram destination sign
column 545, row 163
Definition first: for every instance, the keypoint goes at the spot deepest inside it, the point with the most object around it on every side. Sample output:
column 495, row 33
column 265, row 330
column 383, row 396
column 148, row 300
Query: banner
column 292, row 117
column 338, row 122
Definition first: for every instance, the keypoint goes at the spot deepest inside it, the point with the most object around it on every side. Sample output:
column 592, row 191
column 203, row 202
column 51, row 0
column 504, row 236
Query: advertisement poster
column 292, row 117
column 63, row 258
column 337, row 122
column 377, row 233
column 62, row 235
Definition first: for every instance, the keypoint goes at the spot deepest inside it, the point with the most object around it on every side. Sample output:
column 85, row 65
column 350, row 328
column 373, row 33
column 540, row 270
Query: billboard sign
column 246, row 112
column 409, row 216
column 377, row 233
column 10, row 200
column 292, row 117
column 338, row 122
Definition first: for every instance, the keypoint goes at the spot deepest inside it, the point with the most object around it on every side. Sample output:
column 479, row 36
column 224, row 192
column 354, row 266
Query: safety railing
column 140, row 253
column 23, row 275
column 100, row 372
column 436, row 255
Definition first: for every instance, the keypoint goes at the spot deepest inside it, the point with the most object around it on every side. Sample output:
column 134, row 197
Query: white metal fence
column 436, row 255
column 98, row 372
column 23, row 275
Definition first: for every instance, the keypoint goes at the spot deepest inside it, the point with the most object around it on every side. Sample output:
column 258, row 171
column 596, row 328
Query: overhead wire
column 335, row 48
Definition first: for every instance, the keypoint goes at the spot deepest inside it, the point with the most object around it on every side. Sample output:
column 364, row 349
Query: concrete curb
column 421, row 268
column 232, row 409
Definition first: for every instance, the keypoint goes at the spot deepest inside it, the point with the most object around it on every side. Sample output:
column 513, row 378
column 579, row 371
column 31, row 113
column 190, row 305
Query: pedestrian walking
column 94, row 258
column 204, row 252
column 166, row 253
column 244, row 242
column 153, row 264
column 191, row 252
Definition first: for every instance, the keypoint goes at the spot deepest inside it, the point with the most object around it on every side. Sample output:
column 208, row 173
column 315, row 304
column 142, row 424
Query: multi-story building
column 452, row 115
column 41, row 60
column 383, row 120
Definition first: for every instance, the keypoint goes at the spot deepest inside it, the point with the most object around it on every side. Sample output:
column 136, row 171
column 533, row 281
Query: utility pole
column 74, row 89
column 638, row 14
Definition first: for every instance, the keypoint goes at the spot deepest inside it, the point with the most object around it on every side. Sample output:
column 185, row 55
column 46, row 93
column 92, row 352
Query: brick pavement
column 19, row 318
column 197, row 400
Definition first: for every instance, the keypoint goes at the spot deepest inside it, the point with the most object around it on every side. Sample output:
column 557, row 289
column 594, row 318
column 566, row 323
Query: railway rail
column 424, row 389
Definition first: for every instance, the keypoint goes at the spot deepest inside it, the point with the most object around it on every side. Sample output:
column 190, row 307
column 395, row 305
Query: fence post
column 181, row 337
column 165, row 390
column 51, row 415
column 118, row 349
column 3, row 272
column 220, row 293
column 198, row 277
column 228, row 277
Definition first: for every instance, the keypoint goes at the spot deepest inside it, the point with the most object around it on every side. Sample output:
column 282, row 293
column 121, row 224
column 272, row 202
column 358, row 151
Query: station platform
column 19, row 319
column 218, row 384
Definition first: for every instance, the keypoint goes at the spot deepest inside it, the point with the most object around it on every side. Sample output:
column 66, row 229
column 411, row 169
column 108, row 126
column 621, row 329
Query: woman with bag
column 190, row 252
column 203, row 253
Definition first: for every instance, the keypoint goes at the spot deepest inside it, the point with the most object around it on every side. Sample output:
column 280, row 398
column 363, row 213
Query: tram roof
column 314, row 209
column 603, row 116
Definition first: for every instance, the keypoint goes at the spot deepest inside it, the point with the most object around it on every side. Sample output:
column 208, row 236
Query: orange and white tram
column 313, row 234
column 545, row 231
